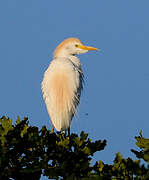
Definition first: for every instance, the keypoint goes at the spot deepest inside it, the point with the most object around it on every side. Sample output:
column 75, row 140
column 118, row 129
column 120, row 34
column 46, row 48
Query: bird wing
column 61, row 87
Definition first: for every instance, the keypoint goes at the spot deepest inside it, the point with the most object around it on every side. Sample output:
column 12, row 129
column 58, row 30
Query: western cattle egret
column 62, row 83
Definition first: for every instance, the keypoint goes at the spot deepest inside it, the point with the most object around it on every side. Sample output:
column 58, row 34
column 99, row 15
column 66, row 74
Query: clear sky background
column 115, row 101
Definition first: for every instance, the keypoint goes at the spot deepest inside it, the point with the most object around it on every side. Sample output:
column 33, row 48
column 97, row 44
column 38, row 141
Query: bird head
column 71, row 46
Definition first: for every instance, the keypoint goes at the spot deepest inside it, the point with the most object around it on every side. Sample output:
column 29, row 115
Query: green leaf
column 24, row 131
column 100, row 165
column 86, row 150
column 5, row 127
column 6, row 124
column 83, row 136
column 78, row 141
column 18, row 120
column 64, row 143
column 142, row 143
column 146, row 156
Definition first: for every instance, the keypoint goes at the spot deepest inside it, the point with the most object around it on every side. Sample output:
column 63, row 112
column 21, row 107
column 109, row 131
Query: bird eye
column 76, row 45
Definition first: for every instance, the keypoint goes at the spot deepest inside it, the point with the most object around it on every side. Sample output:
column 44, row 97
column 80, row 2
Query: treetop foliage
column 27, row 152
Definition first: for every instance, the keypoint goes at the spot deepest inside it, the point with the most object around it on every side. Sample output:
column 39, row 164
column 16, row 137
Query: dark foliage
column 27, row 152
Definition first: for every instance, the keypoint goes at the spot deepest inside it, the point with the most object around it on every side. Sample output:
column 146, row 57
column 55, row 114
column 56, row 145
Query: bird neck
column 61, row 53
column 66, row 54
column 75, row 60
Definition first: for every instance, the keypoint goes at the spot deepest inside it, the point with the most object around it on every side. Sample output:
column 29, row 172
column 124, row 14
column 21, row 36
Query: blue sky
column 116, row 91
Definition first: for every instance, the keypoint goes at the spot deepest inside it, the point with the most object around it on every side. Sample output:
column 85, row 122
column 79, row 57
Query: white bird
column 63, row 82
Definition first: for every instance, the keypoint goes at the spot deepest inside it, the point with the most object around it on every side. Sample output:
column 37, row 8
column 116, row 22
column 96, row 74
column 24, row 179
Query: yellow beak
column 87, row 47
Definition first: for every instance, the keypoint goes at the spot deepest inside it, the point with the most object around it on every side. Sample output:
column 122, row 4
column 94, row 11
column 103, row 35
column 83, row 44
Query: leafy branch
column 27, row 152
